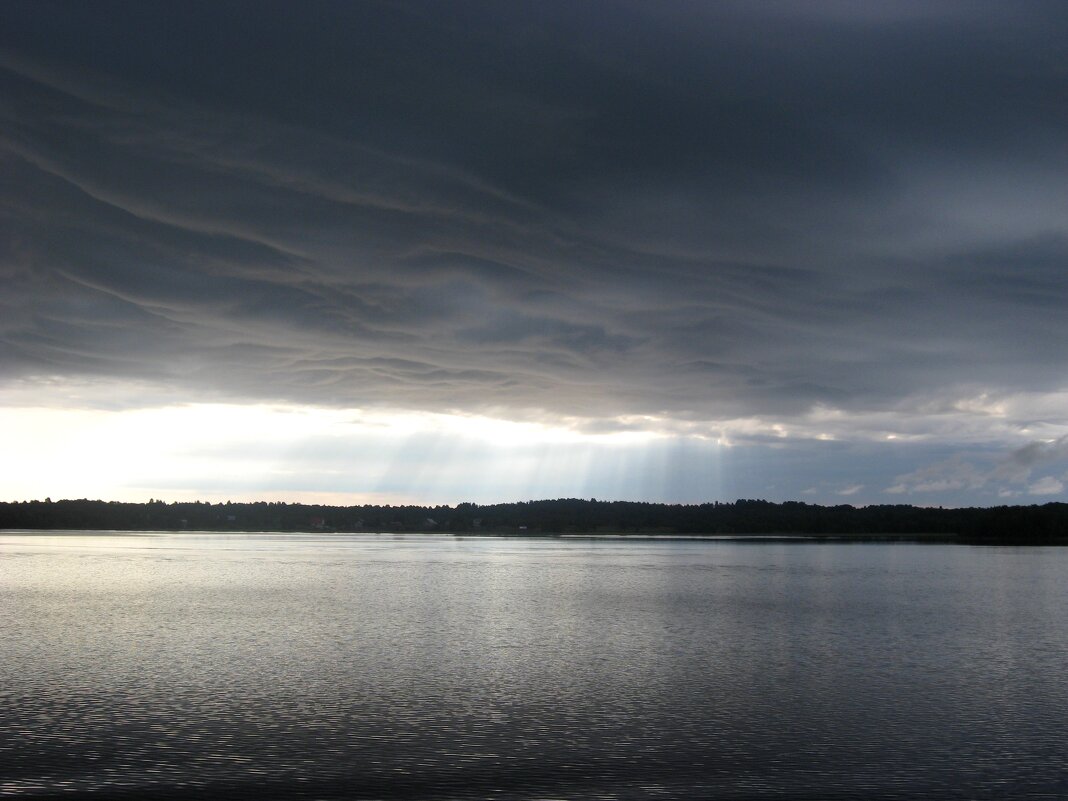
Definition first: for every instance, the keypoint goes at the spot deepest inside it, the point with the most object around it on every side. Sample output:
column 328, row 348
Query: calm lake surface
column 422, row 667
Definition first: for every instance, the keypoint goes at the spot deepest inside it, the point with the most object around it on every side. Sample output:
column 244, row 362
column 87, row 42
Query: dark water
column 377, row 667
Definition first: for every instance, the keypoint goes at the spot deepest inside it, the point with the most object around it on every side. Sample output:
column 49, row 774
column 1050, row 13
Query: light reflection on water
column 431, row 667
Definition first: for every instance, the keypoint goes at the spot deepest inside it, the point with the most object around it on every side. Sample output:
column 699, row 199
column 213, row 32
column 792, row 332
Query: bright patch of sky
column 82, row 446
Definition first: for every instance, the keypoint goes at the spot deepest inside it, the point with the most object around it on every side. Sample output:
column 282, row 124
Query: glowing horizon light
column 84, row 445
column 274, row 452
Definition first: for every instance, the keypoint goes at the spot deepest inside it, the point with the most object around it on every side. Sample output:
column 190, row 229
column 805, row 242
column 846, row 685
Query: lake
column 425, row 666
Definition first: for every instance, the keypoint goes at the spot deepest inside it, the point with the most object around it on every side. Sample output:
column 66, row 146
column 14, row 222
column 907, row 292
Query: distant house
column 430, row 522
column 317, row 523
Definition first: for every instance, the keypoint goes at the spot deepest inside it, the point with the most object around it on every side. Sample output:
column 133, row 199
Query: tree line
column 1047, row 523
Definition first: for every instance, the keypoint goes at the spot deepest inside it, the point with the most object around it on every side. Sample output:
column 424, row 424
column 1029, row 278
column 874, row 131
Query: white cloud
column 952, row 474
column 996, row 471
column 1047, row 485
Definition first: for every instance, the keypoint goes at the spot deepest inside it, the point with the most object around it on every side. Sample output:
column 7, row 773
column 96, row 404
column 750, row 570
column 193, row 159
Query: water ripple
column 384, row 668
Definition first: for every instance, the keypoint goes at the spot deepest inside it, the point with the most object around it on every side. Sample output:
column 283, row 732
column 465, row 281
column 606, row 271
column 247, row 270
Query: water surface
column 421, row 667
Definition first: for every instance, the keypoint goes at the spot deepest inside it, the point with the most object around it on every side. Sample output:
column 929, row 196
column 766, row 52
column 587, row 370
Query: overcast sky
column 453, row 251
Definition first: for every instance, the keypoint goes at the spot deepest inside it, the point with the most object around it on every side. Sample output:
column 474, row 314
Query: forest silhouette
column 1045, row 524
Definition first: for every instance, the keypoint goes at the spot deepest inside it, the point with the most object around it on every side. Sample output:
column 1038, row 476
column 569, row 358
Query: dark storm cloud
column 698, row 210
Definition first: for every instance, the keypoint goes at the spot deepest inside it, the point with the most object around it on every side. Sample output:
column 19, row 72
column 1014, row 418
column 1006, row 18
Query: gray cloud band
column 688, row 212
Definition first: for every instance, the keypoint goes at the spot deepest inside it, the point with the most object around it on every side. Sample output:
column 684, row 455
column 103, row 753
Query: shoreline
column 929, row 538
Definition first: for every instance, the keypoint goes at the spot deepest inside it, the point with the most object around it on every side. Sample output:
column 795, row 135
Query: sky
column 434, row 252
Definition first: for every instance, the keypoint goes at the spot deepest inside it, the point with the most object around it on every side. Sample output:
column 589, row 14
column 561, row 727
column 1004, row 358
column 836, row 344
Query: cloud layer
column 692, row 212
